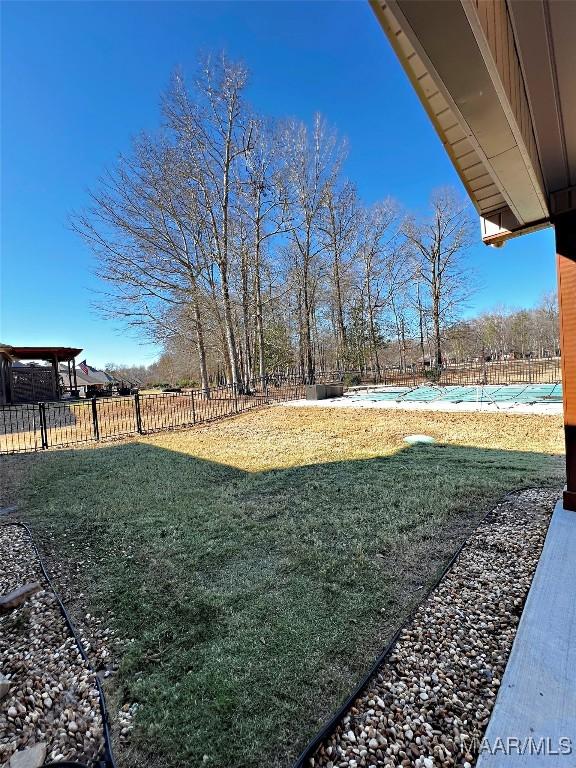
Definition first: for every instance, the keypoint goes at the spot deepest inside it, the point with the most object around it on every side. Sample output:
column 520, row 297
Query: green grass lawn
column 259, row 564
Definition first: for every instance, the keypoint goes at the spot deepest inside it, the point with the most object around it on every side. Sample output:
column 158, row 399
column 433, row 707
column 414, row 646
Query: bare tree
column 339, row 225
column 213, row 131
column 313, row 161
column 139, row 227
column 263, row 205
column 229, row 234
column 439, row 246
column 382, row 265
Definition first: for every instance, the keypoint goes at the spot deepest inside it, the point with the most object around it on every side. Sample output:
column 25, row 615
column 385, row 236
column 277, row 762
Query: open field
column 258, row 564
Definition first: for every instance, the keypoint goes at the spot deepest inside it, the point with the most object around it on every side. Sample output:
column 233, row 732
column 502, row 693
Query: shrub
column 352, row 379
column 433, row 374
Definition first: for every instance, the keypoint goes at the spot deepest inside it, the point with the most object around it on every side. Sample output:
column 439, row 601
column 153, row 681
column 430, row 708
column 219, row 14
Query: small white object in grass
column 413, row 439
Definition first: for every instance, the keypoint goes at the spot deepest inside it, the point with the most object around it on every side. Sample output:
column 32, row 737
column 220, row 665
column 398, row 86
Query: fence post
column 193, row 406
column 43, row 427
column 235, row 389
column 95, row 420
column 529, row 370
column 138, row 414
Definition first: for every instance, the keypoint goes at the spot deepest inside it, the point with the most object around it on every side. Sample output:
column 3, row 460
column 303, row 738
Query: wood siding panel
column 476, row 171
column 480, row 180
column 466, row 152
column 565, row 226
column 497, row 28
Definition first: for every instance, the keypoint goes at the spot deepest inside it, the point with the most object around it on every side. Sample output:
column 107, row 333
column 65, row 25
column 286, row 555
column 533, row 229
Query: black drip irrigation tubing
column 108, row 757
column 330, row 726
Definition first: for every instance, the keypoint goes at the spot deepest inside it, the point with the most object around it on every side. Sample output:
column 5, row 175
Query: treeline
column 504, row 335
column 237, row 242
column 496, row 335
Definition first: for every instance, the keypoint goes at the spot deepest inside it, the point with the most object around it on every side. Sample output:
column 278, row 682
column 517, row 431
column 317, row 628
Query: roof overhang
column 493, row 76
column 60, row 354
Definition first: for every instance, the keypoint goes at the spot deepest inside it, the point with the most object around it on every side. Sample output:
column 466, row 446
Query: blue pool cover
column 510, row 393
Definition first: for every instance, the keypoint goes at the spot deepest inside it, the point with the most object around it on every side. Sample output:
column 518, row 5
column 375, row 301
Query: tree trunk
column 229, row 326
column 340, row 327
column 420, row 322
column 201, row 349
column 436, row 288
column 246, row 321
column 259, row 312
column 403, row 343
column 223, row 256
column 437, row 333
column 301, row 345
column 309, row 359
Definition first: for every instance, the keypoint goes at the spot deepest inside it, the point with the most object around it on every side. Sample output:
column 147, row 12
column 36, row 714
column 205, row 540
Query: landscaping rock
column 50, row 685
column 4, row 686
column 31, row 757
column 430, row 702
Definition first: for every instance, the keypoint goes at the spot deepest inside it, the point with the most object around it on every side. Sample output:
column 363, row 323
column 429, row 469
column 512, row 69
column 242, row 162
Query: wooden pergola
column 53, row 355
column 497, row 79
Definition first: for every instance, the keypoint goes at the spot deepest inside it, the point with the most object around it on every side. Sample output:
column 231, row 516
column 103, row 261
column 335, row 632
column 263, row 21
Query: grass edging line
column 328, row 728
column 108, row 761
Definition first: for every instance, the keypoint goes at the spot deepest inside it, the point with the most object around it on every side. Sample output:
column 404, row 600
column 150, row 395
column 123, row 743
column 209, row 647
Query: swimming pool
column 510, row 393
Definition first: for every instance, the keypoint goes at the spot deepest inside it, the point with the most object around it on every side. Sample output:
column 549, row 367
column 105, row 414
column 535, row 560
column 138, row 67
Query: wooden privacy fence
column 36, row 426
column 33, row 384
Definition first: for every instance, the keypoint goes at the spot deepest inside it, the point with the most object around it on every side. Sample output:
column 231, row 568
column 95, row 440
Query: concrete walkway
column 534, row 719
column 543, row 409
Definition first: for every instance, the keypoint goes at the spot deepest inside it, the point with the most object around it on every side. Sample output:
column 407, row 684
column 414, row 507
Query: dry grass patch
column 289, row 437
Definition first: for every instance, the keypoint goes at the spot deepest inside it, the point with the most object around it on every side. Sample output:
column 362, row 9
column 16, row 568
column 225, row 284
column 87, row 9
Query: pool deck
column 533, row 723
column 546, row 409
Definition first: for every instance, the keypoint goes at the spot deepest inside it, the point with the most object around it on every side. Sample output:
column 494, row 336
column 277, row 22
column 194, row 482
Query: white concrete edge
column 533, row 723
column 544, row 409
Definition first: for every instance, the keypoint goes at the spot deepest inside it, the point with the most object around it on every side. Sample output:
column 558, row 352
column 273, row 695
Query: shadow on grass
column 254, row 601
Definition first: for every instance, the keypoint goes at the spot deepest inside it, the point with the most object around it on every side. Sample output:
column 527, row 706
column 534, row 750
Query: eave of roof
column 462, row 61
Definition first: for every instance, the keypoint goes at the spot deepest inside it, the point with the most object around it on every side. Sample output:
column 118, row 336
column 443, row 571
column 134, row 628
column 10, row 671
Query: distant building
column 89, row 384
column 96, row 383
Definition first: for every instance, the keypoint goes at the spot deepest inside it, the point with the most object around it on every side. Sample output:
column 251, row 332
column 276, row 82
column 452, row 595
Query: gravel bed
column 101, row 643
column 430, row 701
column 53, row 699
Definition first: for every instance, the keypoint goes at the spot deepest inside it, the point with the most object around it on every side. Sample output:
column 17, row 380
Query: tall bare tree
column 382, row 265
column 340, row 225
column 264, row 206
column 147, row 248
column 438, row 249
column 313, row 162
column 238, row 237
column 213, row 132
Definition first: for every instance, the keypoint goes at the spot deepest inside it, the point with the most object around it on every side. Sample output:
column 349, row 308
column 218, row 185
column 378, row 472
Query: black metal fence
column 525, row 371
column 36, row 426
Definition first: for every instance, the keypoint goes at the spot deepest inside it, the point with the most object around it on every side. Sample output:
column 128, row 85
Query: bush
column 433, row 374
column 186, row 382
column 352, row 379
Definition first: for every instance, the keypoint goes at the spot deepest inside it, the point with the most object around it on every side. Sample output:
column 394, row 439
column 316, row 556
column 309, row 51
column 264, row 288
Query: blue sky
column 80, row 79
